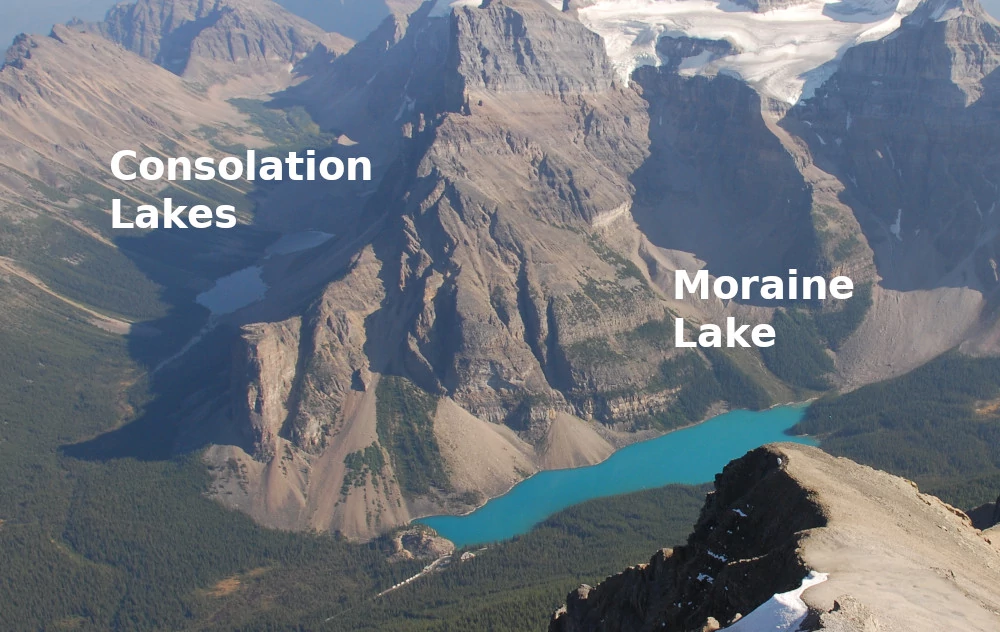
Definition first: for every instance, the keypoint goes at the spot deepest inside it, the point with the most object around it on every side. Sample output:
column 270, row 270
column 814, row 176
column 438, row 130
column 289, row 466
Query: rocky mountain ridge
column 209, row 42
column 893, row 558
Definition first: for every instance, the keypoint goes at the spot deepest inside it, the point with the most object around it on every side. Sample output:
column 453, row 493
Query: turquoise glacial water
column 689, row 456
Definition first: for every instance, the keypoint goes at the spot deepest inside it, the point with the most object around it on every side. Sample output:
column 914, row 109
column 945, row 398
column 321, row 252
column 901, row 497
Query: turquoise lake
column 690, row 456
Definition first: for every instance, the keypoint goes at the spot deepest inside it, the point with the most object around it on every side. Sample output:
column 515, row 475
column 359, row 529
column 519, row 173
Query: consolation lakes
column 689, row 456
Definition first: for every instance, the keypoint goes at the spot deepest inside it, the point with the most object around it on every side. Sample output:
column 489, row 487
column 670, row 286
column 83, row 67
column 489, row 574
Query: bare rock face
column 556, row 54
column 517, row 297
column 211, row 41
column 895, row 558
column 264, row 369
column 492, row 295
column 95, row 99
column 710, row 143
column 551, row 307
column 908, row 125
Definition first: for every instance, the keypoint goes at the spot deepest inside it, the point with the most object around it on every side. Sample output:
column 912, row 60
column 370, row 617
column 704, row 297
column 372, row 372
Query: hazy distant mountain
column 353, row 18
column 38, row 17
column 212, row 42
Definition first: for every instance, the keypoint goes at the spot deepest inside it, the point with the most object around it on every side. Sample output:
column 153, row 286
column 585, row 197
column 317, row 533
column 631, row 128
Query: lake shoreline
column 795, row 409
column 611, row 437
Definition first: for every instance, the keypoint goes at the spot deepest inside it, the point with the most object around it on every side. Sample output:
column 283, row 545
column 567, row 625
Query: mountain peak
column 946, row 10
column 874, row 551
column 211, row 41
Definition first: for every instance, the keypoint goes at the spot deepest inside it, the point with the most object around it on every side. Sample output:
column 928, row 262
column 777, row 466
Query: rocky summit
column 883, row 557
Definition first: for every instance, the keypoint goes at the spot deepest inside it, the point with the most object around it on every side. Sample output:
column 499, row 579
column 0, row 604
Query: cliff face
column 494, row 280
column 908, row 124
column 894, row 558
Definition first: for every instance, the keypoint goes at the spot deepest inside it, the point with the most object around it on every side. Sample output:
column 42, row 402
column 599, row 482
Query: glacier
column 785, row 54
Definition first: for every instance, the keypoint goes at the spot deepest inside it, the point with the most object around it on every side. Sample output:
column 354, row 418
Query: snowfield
column 784, row 54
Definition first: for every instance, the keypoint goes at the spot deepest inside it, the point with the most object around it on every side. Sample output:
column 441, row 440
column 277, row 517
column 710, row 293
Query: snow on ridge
column 784, row 53
column 443, row 8
column 784, row 612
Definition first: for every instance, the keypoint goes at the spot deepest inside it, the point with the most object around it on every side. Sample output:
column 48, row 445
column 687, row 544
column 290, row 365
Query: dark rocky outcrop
column 742, row 551
column 986, row 516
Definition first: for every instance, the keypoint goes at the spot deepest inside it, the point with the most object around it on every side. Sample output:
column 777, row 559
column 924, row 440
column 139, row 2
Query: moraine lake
column 689, row 456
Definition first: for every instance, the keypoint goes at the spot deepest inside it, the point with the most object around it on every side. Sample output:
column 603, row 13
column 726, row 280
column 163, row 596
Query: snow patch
column 897, row 227
column 442, row 8
column 739, row 512
column 784, row 612
column 721, row 558
column 405, row 107
column 702, row 577
column 785, row 53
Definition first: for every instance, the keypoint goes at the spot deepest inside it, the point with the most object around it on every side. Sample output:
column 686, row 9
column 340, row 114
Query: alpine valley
column 236, row 428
